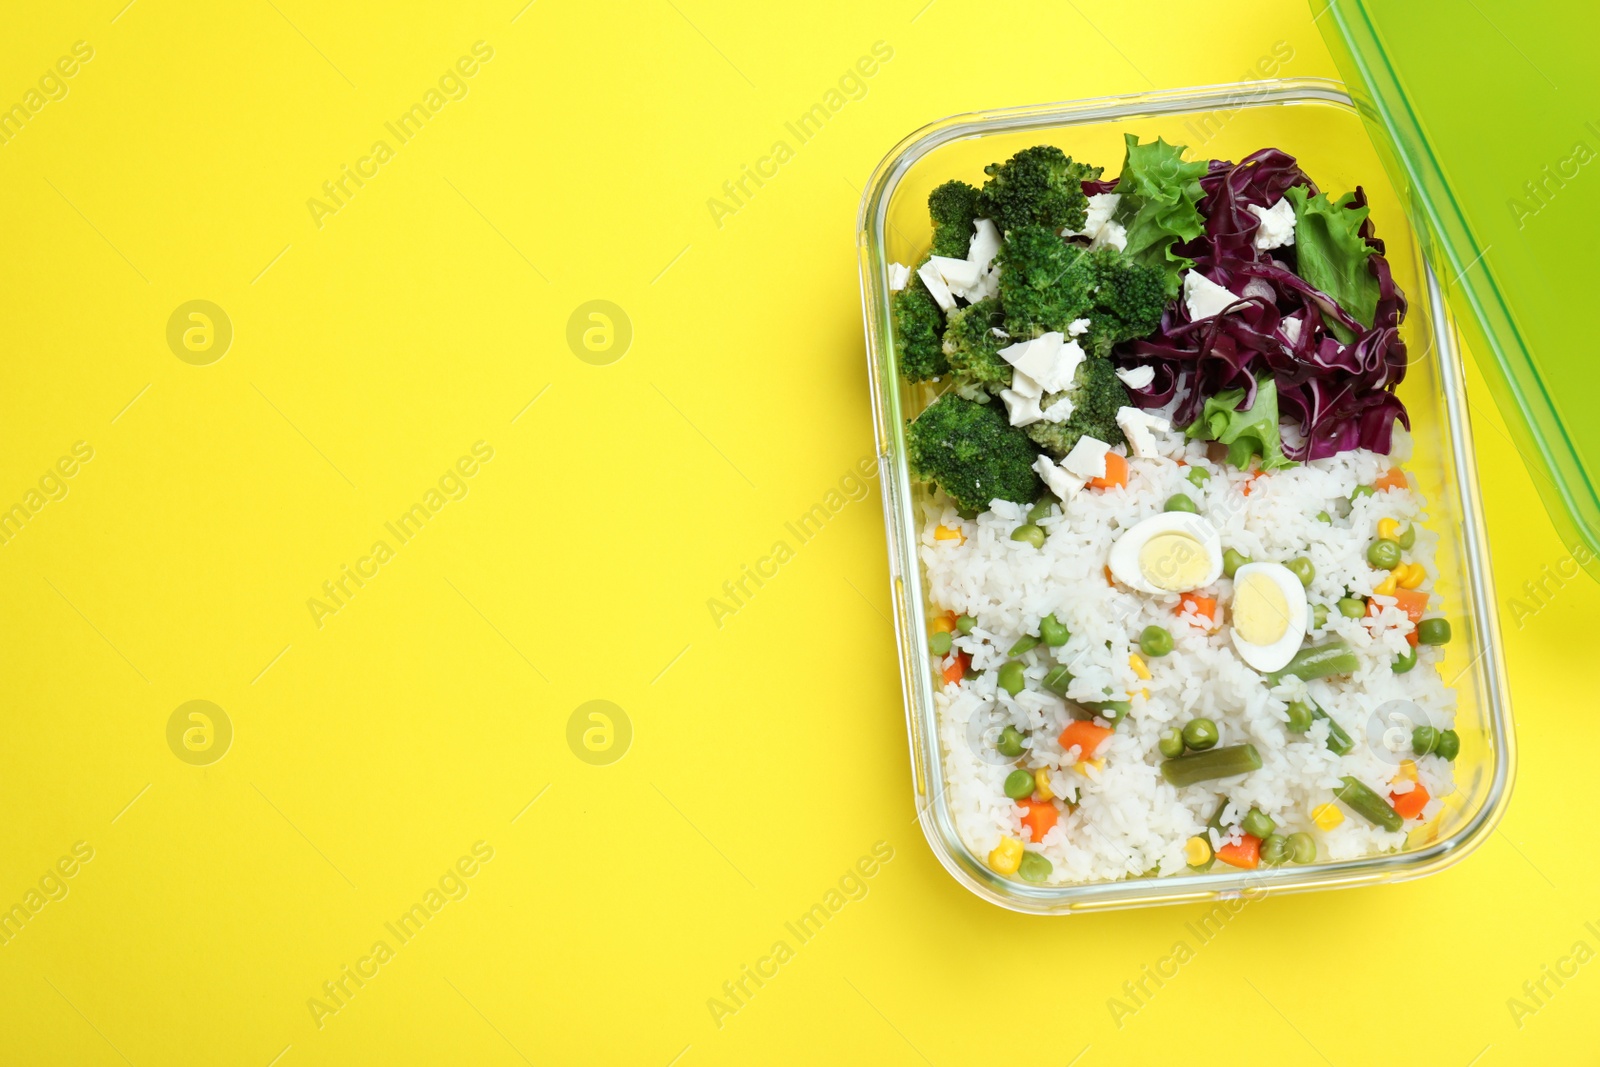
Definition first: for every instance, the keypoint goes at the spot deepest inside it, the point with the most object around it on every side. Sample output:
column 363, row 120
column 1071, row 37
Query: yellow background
column 768, row 753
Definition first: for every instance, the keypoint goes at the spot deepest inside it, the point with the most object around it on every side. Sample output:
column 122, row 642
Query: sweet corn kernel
column 1007, row 856
column 945, row 533
column 1415, row 575
column 1389, row 529
column 943, row 624
column 1326, row 816
column 1408, row 770
column 1387, row 586
column 1082, row 766
column 1144, row 693
column 1196, row 851
column 1138, row 667
column 1041, row 784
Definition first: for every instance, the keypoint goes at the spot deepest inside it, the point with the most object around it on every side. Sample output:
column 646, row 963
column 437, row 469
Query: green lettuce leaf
column 1253, row 432
column 1160, row 194
column 1333, row 255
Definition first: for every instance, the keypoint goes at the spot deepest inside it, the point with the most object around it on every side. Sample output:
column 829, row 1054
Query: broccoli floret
column 1045, row 282
column 1096, row 395
column 971, row 346
column 952, row 206
column 918, row 325
column 1040, row 185
column 970, row 450
column 1128, row 300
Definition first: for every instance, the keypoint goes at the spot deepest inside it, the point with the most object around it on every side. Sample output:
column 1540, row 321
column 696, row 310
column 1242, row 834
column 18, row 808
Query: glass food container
column 1315, row 121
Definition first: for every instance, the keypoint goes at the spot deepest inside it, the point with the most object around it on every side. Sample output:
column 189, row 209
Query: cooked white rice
column 1128, row 819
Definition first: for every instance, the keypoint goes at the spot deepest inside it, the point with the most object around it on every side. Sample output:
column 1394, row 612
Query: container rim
column 933, row 812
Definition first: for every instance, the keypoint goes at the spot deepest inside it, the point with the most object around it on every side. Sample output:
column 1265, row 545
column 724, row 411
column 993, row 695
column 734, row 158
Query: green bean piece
column 1214, row 824
column 1053, row 633
column 1408, row 537
column 1198, row 476
column 1384, row 554
column 1302, row 847
column 1404, row 663
column 1025, row 643
column 1200, row 734
column 1009, row 743
column 1367, row 804
column 1010, row 677
column 1030, row 533
column 1351, row 607
column 1112, row 711
column 1275, row 850
column 1318, row 661
column 965, row 624
column 1057, row 680
column 1300, row 716
column 1303, row 569
column 1034, row 867
column 1171, row 742
column 1319, row 616
column 1424, row 740
column 939, row 643
column 1155, row 641
column 1232, row 561
column 1019, row 784
column 1258, row 823
column 1180, row 502
column 1434, row 631
column 1041, row 510
column 1339, row 742
column 1217, row 763
column 1449, row 746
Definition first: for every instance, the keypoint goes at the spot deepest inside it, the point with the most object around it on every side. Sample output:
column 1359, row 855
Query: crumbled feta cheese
column 1049, row 360
column 929, row 273
column 1077, row 327
column 985, row 244
column 1136, row 377
column 957, row 274
column 1101, row 207
column 1290, row 328
column 1138, row 425
column 1203, row 297
column 1024, row 410
column 899, row 274
column 1060, row 411
column 1277, row 225
column 1113, row 233
column 1087, row 458
column 1023, row 385
column 1059, row 481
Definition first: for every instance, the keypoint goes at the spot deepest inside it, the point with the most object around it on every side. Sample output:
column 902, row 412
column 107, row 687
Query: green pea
column 1408, row 537
column 1009, row 743
column 1351, row 607
column 1384, row 554
column 1323, row 516
column 1232, row 561
column 1405, row 662
column 939, row 643
column 1275, row 850
column 1030, row 533
column 1155, row 641
column 1034, row 867
column 1449, row 745
column 1302, row 569
column 1057, row 680
column 1019, row 784
column 1300, row 716
column 1258, row 823
column 1024, row 643
column 1361, row 490
column 1052, row 633
column 1171, row 742
column 1319, row 616
column 1434, row 631
column 1302, row 847
column 1041, row 510
column 1010, row 677
column 1200, row 734
column 1180, row 502
column 1424, row 740
column 964, row 624
column 1198, row 476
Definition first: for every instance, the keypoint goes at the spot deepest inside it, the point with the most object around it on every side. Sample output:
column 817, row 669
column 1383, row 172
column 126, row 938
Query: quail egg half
column 1173, row 552
column 1268, row 614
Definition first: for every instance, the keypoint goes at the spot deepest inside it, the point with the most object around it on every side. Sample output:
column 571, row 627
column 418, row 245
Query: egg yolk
column 1174, row 561
column 1260, row 610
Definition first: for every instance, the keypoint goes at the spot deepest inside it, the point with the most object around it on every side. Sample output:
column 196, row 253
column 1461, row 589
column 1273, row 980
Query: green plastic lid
column 1461, row 112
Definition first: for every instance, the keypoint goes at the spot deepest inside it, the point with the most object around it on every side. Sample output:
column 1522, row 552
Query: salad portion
column 1180, row 580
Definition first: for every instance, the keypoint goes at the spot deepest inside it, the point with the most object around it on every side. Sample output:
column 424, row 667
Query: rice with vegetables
column 1180, row 583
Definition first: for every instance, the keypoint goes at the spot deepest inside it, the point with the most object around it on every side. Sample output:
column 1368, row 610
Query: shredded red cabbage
column 1341, row 396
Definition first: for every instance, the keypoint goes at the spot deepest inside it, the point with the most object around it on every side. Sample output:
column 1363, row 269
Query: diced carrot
column 1393, row 478
column 1413, row 602
column 1410, row 805
column 957, row 668
column 1086, row 736
column 1116, row 472
column 1201, row 605
column 1039, row 816
column 1252, row 480
column 1246, row 854
column 1411, row 639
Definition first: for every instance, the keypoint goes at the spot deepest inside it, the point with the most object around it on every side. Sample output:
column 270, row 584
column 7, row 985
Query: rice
column 1127, row 820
